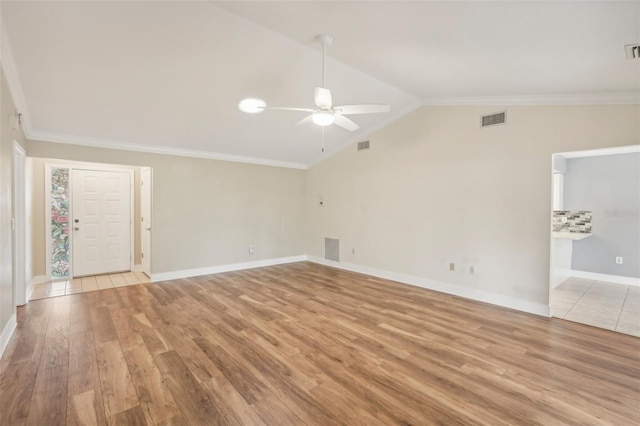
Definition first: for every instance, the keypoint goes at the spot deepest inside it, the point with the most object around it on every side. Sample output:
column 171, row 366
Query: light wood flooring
column 84, row 284
column 304, row 344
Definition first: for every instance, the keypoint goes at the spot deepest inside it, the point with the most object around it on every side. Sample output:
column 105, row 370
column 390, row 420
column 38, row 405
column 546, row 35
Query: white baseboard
column 474, row 294
column 186, row 273
column 7, row 332
column 456, row 290
column 606, row 278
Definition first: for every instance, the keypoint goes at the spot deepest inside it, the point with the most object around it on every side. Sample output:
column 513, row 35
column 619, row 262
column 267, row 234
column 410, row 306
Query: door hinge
column 142, row 255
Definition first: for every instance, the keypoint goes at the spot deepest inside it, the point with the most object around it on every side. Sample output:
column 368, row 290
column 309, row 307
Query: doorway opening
column 88, row 228
column 595, row 241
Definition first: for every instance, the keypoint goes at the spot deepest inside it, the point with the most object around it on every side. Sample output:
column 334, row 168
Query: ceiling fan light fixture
column 323, row 118
column 252, row 105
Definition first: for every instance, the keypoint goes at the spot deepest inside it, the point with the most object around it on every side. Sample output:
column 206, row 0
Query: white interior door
column 145, row 213
column 101, row 211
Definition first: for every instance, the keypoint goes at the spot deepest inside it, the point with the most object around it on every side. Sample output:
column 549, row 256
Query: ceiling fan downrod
column 324, row 40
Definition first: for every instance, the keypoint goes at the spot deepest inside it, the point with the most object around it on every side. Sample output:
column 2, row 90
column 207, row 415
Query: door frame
column 47, row 203
column 19, row 225
column 555, row 273
column 142, row 192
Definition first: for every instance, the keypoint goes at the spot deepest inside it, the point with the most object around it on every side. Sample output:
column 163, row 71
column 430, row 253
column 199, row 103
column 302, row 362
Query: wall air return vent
column 363, row 145
column 633, row 51
column 494, row 119
column 332, row 249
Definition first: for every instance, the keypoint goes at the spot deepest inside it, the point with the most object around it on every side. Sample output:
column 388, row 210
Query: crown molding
column 11, row 74
column 627, row 98
column 624, row 98
column 367, row 132
column 36, row 135
column 628, row 149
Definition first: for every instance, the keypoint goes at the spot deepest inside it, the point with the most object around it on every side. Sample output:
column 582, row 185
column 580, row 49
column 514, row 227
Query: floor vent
column 633, row 51
column 494, row 119
column 332, row 249
column 363, row 145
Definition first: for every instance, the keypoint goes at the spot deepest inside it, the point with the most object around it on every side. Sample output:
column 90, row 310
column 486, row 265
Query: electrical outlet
column 619, row 260
column 251, row 249
column 353, row 251
column 452, row 266
column 472, row 270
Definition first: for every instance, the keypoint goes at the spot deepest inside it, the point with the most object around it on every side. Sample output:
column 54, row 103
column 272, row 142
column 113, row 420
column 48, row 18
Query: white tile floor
column 605, row 305
column 82, row 285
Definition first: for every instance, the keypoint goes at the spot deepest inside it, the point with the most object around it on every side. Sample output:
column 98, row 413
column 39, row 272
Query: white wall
column 205, row 212
column 7, row 135
column 609, row 187
column 435, row 188
column 561, row 268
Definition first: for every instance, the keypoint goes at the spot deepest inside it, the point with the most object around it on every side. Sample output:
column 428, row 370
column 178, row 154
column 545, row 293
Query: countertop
column 571, row 235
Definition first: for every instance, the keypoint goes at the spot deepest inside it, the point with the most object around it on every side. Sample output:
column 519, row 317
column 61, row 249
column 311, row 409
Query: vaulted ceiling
column 167, row 76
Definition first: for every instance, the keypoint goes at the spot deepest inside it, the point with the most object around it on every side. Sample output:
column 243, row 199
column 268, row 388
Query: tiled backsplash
column 572, row 221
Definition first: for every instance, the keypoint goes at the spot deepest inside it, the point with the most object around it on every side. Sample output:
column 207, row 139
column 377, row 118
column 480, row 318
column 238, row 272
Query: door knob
column 76, row 220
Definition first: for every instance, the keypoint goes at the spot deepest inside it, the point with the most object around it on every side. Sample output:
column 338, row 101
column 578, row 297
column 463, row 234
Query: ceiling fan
column 324, row 113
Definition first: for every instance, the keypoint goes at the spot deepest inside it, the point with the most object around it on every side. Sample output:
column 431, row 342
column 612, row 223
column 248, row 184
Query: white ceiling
column 167, row 76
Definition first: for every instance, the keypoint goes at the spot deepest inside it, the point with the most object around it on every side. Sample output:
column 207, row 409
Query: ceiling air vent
column 633, row 51
column 494, row 119
column 363, row 145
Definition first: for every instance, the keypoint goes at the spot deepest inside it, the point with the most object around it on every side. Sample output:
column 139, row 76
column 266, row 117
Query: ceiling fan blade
column 322, row 97
column 345, row 123
column 291, row 109
column 306, row 120
column 362, row 109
